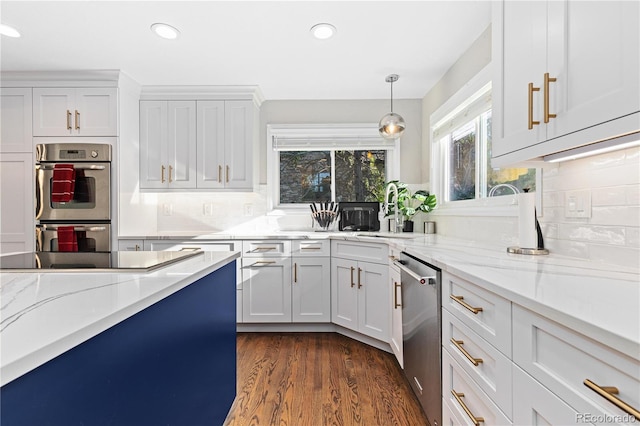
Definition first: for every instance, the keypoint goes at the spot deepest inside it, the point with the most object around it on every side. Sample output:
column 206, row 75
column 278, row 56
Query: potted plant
column 410, row 203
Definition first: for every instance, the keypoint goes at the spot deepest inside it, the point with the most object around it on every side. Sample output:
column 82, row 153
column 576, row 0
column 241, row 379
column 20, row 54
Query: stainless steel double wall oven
column 73, row 197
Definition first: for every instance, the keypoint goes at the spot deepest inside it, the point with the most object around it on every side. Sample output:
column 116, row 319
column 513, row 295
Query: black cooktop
column 115, row 261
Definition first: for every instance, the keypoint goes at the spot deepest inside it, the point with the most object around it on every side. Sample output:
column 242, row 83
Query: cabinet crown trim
column 248, row 92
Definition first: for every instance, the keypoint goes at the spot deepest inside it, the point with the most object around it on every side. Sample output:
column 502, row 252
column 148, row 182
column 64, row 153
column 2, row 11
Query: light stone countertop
column 45, row 314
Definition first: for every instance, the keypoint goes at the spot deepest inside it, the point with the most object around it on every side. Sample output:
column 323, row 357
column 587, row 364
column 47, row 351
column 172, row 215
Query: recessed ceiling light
column 165, row 31
column 323, row 31
column 9, row 31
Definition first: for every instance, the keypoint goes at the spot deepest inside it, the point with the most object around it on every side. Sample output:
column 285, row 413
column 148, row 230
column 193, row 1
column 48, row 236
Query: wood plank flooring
column 313, row 379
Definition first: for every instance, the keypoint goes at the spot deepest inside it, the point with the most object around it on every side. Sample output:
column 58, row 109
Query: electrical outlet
column 248, row 209
column 167, row 209
column 578, row 204
column 207, row 209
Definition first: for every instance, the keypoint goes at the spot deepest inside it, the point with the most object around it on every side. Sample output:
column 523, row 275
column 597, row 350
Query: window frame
column 322, row 137
column 487, row 206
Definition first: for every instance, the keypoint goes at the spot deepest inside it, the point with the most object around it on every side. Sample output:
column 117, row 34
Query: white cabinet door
column 597, row 72
column 17, row 217
column 75, row 112
column 238, row 147
column 167, row 144
column 344, row 294
column 15, row 120
column 266, row 289
column 374, row 318
column 396, row 314
column 181, row 143
column 153, row 144
column 534, row 404
column 311, row 289
column 210, row 137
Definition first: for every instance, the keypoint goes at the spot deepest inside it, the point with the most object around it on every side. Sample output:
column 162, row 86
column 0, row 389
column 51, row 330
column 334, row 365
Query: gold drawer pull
column 458, row 396
column 295, row 272
column 396, row 304
column 461, row 301
column 264, row 262
column 458, row 344
column 68, row 120
column 310, row 248
column 77, row 120
column 219, row 174
column 162, row 174
column 608, row 392
column 530, row 118
column 262, row 249
column 227, row 175
column 359, row 279
column 352, row 269
column 170, row 170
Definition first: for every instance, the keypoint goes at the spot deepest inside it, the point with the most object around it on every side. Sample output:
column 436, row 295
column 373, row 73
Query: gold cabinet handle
column 68, row 120
column 227, row 175
column 547, row 80
column 310, row 248
column 396, row 304
column 190, row 248
column 263, row 262
column 458, row 396
column 137, row 247
column 262, row 249
column 359, row 280
column 162, row 174
column 608, row 393
column 219, row 174
column 458, row 344
column 352, row 269
column 461, row 301
column 531, row 90
column 170, row 170
column 77, row 120
column 295, row 272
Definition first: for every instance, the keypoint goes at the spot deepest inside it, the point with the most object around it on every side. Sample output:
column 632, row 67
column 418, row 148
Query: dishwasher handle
column 431, row 280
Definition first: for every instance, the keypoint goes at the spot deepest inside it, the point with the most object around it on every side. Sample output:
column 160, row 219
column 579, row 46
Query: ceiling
column 264, row 43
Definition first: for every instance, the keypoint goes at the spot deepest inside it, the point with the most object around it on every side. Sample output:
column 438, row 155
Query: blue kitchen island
column 121, row 348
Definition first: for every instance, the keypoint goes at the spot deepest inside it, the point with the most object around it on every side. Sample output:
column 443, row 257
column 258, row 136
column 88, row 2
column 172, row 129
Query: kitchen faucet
column 385, row 208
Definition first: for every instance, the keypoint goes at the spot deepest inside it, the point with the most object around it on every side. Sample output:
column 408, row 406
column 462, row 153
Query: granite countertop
column 46, row 314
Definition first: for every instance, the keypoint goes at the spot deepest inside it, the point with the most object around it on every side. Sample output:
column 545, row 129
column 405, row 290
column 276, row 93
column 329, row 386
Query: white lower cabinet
column 311, row 292
column 537, row 405
column 395, row 340
column 360, row 294
column 469, row 403
column 266, row 289
column 17, row 218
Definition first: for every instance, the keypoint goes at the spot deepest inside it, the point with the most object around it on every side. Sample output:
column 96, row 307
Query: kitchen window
column 461, row 156
column 328, row 163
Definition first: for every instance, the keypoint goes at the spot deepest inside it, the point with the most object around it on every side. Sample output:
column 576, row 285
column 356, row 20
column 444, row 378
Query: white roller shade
column 314, row 139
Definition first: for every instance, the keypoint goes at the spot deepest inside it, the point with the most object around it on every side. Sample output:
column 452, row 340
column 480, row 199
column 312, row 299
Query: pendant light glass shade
column 392, row 125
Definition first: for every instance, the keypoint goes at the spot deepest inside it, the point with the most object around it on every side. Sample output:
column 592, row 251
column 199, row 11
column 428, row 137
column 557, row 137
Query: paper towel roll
column 527, row 233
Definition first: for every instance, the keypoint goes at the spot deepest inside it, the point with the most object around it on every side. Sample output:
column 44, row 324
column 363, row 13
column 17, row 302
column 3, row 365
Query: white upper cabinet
column 566, row 74
column 15, row 120
column 75, row 111
column 225, row 144
column 167, row 144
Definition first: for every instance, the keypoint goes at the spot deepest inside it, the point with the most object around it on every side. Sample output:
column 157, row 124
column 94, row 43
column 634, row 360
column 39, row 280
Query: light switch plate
column 578, row 204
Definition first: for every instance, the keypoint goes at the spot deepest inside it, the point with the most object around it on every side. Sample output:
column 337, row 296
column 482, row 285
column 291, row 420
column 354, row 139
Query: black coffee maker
column 359, row 216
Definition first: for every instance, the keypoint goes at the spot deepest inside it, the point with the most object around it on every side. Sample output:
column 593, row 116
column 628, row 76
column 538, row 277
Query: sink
column 400, row 235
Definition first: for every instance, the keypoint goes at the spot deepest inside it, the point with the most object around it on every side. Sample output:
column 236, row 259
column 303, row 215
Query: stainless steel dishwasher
column 422, row 332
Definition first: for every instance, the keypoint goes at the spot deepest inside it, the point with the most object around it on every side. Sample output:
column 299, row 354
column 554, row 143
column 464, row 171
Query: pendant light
column 391, row 125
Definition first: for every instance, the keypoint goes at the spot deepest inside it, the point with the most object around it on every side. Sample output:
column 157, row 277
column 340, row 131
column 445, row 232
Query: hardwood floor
column 313, row 379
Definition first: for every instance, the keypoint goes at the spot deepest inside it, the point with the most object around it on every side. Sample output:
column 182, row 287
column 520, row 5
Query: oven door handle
column 76, row 167
column 75, row 228
column 422, row 280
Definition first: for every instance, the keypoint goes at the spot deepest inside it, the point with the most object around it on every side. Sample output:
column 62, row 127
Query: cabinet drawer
column 536, row 405
column 493, row 370
column 456, row 380
column 376, row 253
column 266, row 248
column 311, row 248
column 562, row 360
column 484, row 312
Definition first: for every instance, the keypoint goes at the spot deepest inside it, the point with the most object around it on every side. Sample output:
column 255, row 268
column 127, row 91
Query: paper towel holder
column 531, row 251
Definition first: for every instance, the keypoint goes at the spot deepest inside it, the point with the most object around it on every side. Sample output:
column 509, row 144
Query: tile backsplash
column 610, row 236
